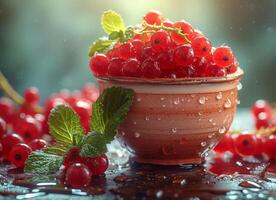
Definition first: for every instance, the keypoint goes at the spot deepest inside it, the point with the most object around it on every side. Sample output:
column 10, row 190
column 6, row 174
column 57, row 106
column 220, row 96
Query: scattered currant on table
column 78, row 175
column 157, row 48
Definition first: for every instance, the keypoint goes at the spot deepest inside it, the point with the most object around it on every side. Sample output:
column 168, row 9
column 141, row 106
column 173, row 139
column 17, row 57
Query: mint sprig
column 112, row 22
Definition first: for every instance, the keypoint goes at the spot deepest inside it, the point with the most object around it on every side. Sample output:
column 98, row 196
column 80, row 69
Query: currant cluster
column 163, row 49
column 78, row 170
column 24, row 128
column 250, row 144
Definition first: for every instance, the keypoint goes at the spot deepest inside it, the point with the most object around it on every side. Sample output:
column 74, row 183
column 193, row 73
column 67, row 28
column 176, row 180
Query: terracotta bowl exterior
column 177, row 121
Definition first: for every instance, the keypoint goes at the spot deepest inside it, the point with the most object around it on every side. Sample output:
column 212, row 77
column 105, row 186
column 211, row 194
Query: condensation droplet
column 199, row 113
column 147, row 118
column 210, row 120
column 202, row 100
column 174, row 130
column 139, row 99
column 203, row 144
column 214, row 124
column 238, row 101
column 134, row 122
column 239, row 87
column 123, row 133
column 137, row 135
column 192, row 95
column 163, row 105
column 227, row 103
column 219, row 96
column 182, row 99
column 159, row 118
column 162, row 98
column 188, row 100
column 211, row 135
column 199, row 119
column 176, row 101
column 222, row 130
column 220, row 110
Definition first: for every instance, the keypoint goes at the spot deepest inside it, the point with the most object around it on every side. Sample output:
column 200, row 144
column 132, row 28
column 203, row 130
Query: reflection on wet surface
column 221, row 177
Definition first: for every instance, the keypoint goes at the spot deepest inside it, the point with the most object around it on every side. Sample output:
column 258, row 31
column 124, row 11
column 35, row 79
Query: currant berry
column 138, row 47
column 183, row 55
column 261, row 106
column 132, row 68
column 8, row 141
column 78, row 175
column 226, row 144
column 263, row 120
column 6, row 108
column 3, row 127
column 201, row 46
column 195, row 34
column 31, row 95
column 223, row 56
column 168, row 23
column 153, row 17
column 99, row 64
column 19, row 154
column 215, row 71
column 84, row 109
column 148, row 53
column 165, row 60
column 246, row 144
column 185, row 28
column 150, row 68
column 125, row 51
column 97, row 165
column 73, row 156
column 38, row 144
column 233, row 68
column 200, row 65
column 160, row 41
column 115, row 67
column 270, row 147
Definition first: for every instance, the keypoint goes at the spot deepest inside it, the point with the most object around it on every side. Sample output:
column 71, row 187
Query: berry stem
column 12, row 94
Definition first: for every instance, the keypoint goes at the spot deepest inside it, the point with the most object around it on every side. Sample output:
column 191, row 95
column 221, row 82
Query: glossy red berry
column 78, row 175
column 115, row 67
column 185, row 28
column 31, row 95
column 168, row 23
column 3, row 127
column 195, row 34
column 160, row 41
column 165, row 60
column 200, row 65
column 8, row 141
column 97, row 165
column 132, row 68
column 73, row 156
column 246, row 144
column 6, row 108
column 261, row 106
column 125, row 51
column 201, row 46
column 153, row 17
column 19, row 154
column 223, row 56
column 84, row 109
column 38, row 144
column 263, row 121
column 270, row 147
column 138, row 47
column 226, row 144
column 148, row 52
column 150, row 68
column 232, row 68
column 99, row 64
column 183, row 55
column 215, row 71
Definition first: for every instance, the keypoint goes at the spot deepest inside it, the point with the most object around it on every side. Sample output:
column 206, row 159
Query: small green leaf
column 112, row 21
column 110, row 110
column 94, row 144
column 114, row 35
column 42, row 163
column 65, row 126
column 57, row 149
column 101, row 45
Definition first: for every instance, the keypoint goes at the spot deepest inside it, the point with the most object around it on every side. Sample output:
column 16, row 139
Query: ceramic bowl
column 176, row 121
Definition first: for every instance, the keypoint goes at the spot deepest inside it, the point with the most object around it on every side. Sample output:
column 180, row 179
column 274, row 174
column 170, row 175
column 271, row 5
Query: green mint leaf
column 57, row 149
column 116, row 35
column 42, row 163
column 94, row 144
column 112, row 21
column 110, row 110
column 65, row 126
column 101, row 45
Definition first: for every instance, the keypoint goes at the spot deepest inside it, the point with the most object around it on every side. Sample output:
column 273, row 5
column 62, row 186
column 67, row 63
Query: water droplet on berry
column 138, row 99
column 239, row 87
column 202, row 100
column 147, row 118
column 227, row 103
column 203, row 144
column 222, row 130
column 174, row 130
column 219, row 96
column 137, row 135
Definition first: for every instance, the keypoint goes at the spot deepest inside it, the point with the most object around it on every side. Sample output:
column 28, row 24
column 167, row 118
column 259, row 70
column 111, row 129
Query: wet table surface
column 220, row 177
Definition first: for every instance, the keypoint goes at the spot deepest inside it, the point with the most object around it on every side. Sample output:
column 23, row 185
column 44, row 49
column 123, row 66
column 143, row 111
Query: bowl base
column 191, row 161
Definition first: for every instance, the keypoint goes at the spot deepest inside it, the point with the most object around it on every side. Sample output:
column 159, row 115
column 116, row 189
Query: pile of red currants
column 163, row 49
column 24, row 129
column 250, row 144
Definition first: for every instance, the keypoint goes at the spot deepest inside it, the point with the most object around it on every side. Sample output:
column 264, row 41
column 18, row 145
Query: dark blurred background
column 45, row 43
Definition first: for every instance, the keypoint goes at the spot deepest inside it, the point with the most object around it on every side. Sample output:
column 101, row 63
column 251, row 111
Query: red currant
column 263, row 120
column 132, row 68
column 73, row 156
column 115, row 67
column 6, row 108
column 38, row 144
column 261, row 106
column 153, row 17
column 165, row 62
column 84, row 109
column 3, row 127
column 185, row 28
column 8, row 141
column 125, row 51
column 148, row 53
column 195, row 34
column 31, row 95
column 160, row 41
column 200, row 65
column 201, row 46
column 183, row 55
column 233, row 68
column 226, row 144
column 168, row 23
column 246, row 144
column 99, row 64
column 270, row 147
column 19, row 154
column 78, row 175
column 97, row 165
column 223, row 56
column 150, row 68
column 138, row 47
column 215, row 71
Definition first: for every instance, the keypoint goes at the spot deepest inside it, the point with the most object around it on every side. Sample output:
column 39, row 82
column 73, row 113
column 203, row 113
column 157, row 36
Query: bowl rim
column 177, row 81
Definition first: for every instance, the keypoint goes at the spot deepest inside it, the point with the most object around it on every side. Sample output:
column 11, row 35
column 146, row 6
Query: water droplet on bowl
column 211, row 135
column 147, row 118
column 203, row 144
column 139, row 99
column 174, row 130
column 137, row 135
column 188, row 100
column 176, row 101
column 162, row 98
column 227, row 103
column 210, row 120
column 202, row 100
column 219, row 96
column 193, row 96
column 214, row 124
column 199, row 113
column 239, row 87
column 163, row 105
column 222, row 130
column 159, row 118
column 220, row 110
